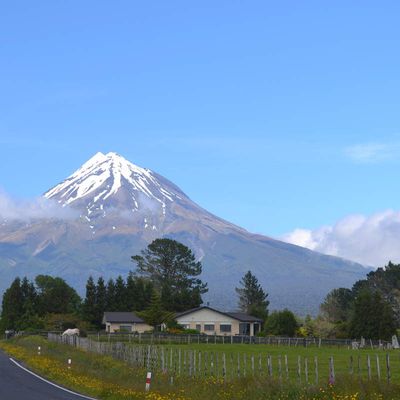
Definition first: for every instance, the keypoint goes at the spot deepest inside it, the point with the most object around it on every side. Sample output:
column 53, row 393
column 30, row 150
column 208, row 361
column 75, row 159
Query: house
column 214, row 322
column 124, row 322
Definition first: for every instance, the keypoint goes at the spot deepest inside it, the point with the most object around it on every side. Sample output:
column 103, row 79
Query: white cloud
column 17, row 209
column 372, row 152
column 370, row 240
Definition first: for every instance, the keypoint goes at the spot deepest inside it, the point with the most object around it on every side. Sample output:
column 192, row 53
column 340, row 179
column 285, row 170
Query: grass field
column 240, row 358
column 106, row 378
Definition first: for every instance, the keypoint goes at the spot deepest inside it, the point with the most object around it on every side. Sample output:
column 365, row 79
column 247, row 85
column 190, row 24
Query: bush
column 281, row 323
column 191, row 331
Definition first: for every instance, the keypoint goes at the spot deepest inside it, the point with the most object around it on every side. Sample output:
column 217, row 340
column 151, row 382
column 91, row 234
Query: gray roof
column 240, row 316
column 122, row 317
column 243, row 317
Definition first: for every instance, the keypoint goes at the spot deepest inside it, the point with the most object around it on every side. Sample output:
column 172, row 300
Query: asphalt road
column 17, row 384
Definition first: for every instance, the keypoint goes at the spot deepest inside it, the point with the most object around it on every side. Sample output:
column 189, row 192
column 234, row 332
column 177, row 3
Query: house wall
column 137, row 327
column 205, row 317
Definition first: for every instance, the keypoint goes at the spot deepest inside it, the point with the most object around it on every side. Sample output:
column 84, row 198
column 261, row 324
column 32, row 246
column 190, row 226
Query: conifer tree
column 89, row 305
column 111, row 301
column 12, row 305
column 120, row 302
column 252, row 298
column 131, row 292
column 101, row 301
column 155, row 314
column 29, row 296
column 30, row 318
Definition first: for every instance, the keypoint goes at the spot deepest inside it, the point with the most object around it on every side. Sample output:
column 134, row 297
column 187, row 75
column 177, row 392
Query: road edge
column 49, row 382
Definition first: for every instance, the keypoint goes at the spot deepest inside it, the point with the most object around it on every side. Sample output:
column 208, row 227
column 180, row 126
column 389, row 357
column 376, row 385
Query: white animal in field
column 71, row 332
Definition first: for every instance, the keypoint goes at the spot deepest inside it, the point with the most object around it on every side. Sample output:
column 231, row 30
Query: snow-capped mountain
column 120, row 207
column 110, row 188
column 107, row 177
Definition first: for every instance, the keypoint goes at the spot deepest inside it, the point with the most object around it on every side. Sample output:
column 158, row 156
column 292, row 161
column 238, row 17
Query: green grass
column 245, row 352
column 109, row 379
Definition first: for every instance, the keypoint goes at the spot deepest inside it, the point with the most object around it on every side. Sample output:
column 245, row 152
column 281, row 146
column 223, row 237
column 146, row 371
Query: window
column 185, row 326
column 125, row 328
column 225, row 328
column 198, row 327
column 209, row 327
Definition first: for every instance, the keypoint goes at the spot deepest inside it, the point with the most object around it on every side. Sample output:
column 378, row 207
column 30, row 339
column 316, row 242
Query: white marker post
column 148, row 381
column 69, row 363
column 38, row 350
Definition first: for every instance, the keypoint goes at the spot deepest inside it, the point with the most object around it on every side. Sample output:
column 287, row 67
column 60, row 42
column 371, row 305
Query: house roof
column 239, row 316
column 243, row 317
column 122, row 317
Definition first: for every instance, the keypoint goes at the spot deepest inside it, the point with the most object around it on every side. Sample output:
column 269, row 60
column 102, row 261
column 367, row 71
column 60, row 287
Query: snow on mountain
column 100, row 180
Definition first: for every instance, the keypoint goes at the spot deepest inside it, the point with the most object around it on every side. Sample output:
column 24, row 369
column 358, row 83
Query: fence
column 176, row 361
column 164, row 338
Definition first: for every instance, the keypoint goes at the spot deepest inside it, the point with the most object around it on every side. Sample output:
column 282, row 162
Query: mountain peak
column 110, row 180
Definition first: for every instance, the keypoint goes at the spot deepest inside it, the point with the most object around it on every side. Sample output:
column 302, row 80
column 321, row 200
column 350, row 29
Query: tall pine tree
column 89, row 307
column 252, row 298
column 120, row 295
column 12, row 305
column 111, row 299
column 101, row 301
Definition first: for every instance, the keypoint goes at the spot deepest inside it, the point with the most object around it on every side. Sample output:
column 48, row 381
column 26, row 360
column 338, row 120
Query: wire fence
column 186, row 361
column 165, row 338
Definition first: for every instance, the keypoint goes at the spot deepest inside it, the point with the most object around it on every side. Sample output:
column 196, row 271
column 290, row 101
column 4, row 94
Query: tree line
column 370, row 309
column 166, row 280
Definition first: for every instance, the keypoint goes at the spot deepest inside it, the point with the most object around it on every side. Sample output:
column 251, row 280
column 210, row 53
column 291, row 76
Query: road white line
column 51, row 383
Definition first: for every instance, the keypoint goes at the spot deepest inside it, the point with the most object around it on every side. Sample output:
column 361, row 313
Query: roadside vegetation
column 106, row 378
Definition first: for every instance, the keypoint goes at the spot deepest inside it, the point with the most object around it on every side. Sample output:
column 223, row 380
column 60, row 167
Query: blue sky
column 273, row 115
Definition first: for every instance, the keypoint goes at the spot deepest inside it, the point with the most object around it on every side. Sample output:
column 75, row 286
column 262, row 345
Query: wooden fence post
column 306, row 369
column 179, row 361
column 270, row 365
column 286, row 367
column 299, row 368
column 378, row 367
column 190, row 361
column 369, row 366
column 331, row 371
column 388, row 367
column 224, row 366
column 199, row 358
column 351, row 365
column 280, row 367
